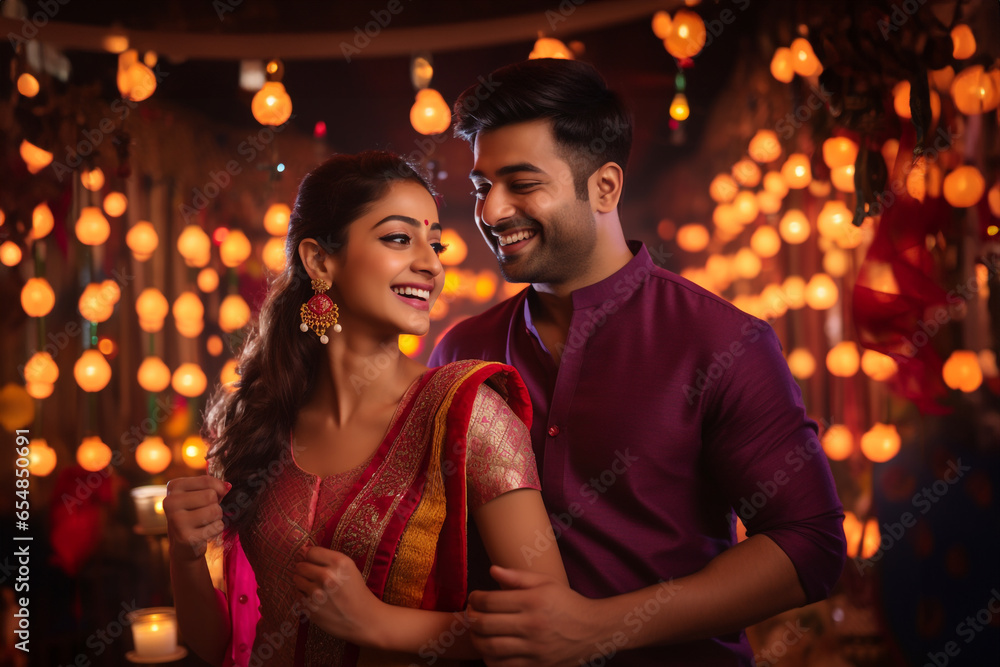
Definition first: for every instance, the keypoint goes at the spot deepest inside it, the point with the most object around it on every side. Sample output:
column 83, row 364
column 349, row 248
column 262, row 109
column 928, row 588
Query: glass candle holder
column 154, row 631
column 149, row 508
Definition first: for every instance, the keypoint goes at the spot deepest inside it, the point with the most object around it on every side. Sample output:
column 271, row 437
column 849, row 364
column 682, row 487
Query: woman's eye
column 439, row 247
column 400, row 239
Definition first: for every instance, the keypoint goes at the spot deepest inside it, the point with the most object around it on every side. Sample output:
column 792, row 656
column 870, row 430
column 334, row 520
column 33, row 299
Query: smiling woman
column 345, row 472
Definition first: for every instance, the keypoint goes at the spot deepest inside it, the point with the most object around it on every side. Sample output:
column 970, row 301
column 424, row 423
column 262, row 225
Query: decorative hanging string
column 346, row 45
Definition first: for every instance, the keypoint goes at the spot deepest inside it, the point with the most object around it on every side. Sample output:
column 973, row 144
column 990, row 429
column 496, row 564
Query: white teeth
column 412, row 291
column 515, row 237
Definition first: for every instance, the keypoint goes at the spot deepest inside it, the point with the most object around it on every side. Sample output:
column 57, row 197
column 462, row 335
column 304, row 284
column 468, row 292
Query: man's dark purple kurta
column 669, row 408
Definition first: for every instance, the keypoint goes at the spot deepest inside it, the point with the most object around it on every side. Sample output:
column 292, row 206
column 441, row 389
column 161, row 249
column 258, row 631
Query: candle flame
column 158, row 507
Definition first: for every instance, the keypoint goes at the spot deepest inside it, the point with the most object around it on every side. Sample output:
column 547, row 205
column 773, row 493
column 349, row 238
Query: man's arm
column 543, row 622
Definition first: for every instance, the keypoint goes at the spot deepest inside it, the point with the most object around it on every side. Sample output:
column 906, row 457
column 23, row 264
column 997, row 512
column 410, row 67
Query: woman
column 346, row 472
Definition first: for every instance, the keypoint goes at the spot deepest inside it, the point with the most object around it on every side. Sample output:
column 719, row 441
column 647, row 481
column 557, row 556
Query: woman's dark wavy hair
column 248, row 429
column 589, row 121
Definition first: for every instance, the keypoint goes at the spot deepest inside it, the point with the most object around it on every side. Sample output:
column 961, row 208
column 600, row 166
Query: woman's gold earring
column 320, row 312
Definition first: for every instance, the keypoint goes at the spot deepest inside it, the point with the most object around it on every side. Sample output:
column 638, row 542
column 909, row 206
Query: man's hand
column 534, row 621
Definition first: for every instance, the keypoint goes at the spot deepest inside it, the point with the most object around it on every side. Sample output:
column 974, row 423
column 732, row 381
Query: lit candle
column 155, row 632
column 149, row 508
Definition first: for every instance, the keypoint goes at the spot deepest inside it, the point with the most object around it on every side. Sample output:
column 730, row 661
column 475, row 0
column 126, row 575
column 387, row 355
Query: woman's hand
column 194, row 515
column 339, row 601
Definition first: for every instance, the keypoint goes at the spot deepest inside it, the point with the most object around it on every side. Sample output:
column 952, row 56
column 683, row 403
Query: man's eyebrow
column 435, row 226
column 509, row 169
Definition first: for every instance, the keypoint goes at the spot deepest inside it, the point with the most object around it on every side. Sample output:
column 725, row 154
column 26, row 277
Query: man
column 658, row 407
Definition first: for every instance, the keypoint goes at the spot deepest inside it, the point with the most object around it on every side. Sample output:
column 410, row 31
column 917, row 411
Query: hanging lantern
column 723, row 188
column 28, row 85
column 783, row 65
column 843, row 178
column 42, row 221
column 964, row 186
column 901, row 101
column 40, row 372
column 775, row 184
column 136, row 82
column 692, row 237
column 429, row 113
column 745, row 206
column 838, row 442
column 872, row 539
column 764, row 146
column 189, row 380
column 679, row 109
column 727, row 218
column 963, row 42
column 549, row 47
column 962, row 371
column 747, row 173
column 276, row 219
column 194, row 245
column 92, row 454
column 37, row 297
column 833, row 220
column 92, row 371
column 976, row 91
column 853, row 529
column 142, row 240
column 773, row 301
column 821, row 292
column 794, row 288
column 10, row 253
column 96, row 303
column 34, row 157
column 993, row 199
column 235, row 249
column 801, row 363
column 804, row 60
column 41, row 458
column 794, row 227
column 229, row 375
column 843, row 359
column 880, row 443
column 214, row 345
column 687, row 35
column 835, row 262
column 234, row 313
column 188, row 306
column 273, row 254
column 271, row 105
column 796, row 171
column 194, row 452
column 92, row 179
column 765, row 241
column 879, row 367
column 457, row 249
column 839, row 152
column 92, row 227
column 747, row 264
column 662, row 24
column 153, row 455
column 152, row 308
column 208, row 280
column 115, row 204
column 768, row 202
column 153, row 375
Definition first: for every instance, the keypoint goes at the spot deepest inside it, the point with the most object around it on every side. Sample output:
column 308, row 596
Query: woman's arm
column 341, row 603
column 194, row 517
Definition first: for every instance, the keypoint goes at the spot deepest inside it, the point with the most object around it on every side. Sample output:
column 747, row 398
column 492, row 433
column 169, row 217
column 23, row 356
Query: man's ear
column 605, row 186
column 319, row 264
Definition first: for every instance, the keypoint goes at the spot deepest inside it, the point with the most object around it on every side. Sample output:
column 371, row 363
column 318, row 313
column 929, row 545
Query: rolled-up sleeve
column 771, row 465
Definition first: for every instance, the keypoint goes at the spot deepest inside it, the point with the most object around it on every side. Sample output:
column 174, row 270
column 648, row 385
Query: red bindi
column 426, row 223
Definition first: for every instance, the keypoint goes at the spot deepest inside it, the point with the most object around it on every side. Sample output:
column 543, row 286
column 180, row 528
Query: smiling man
column 659, row 408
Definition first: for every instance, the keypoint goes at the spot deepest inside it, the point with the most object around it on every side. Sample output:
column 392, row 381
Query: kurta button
column 243, row 647
column 243, row 599
column 553, row 431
